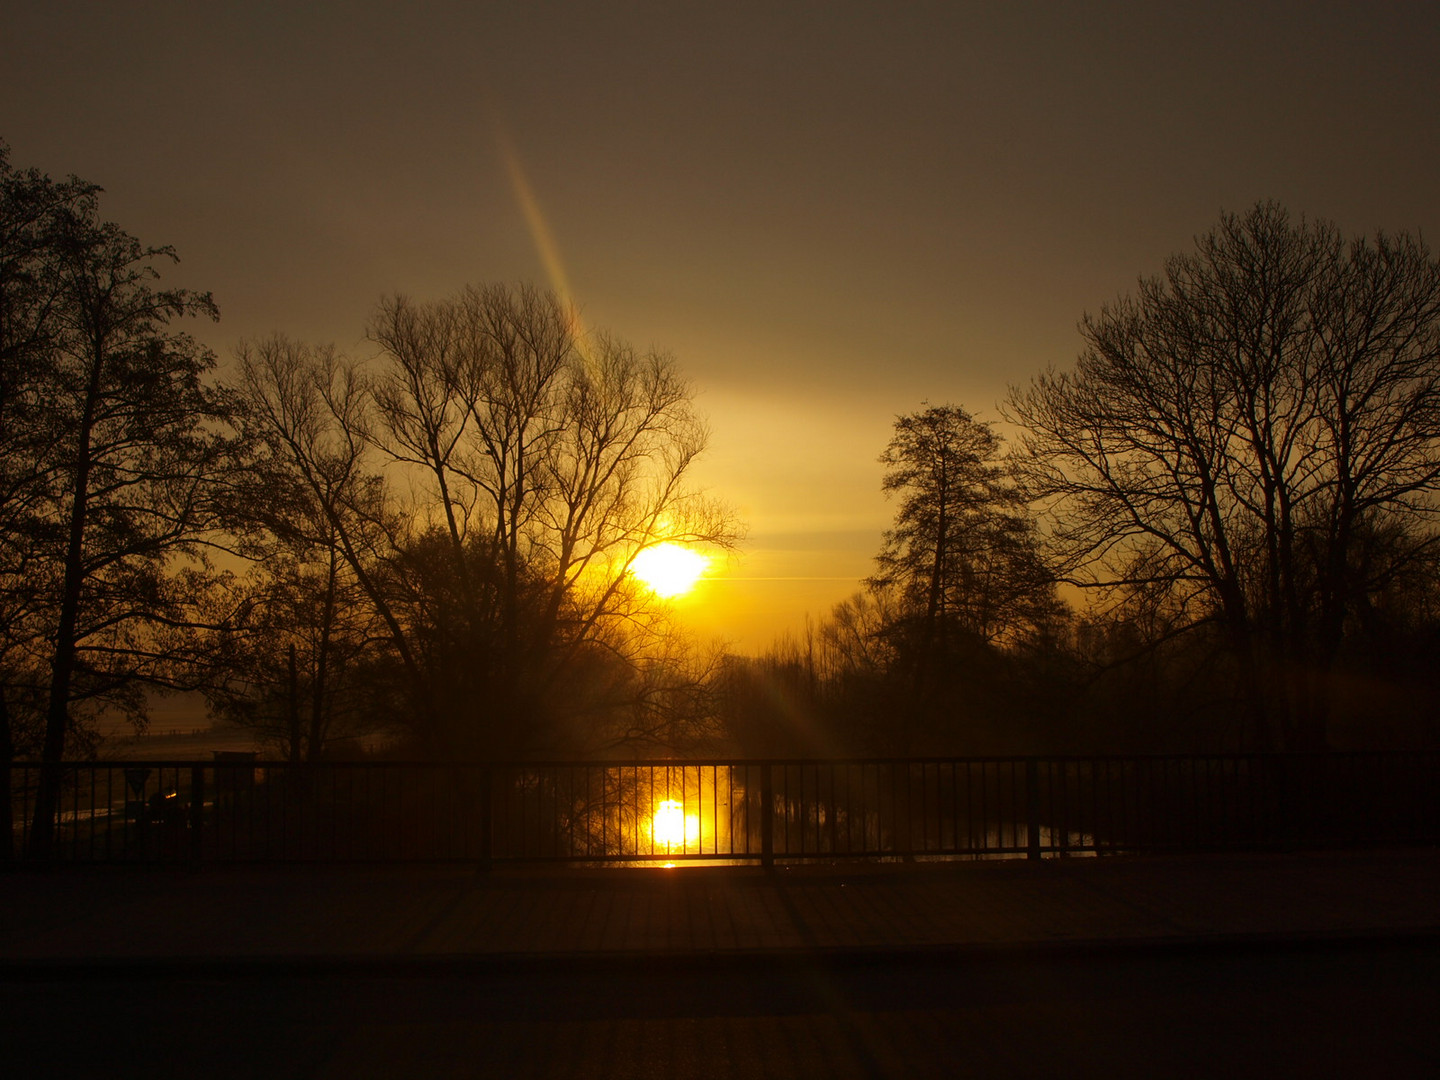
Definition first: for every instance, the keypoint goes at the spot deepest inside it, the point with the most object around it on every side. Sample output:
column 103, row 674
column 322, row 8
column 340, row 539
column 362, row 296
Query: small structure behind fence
column 727, row 811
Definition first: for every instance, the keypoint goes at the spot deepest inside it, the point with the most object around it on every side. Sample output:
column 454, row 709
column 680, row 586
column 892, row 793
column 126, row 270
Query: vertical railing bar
column 73, row 845
column 288, row 773
column 1006, row 810
column 605, row 811
column 798, row 812
column 801, row 815
column 835, row 794
column 109, row 813
column 832, row 804
column 951, row 811
column 805, row 805
column 823, row 807
column 522, row 803
column 767, row 816
column 568, row 804
column 1064, row 808
column 990, row 805
column 849, row 808
column 1053, row 789
column 941, row 768
column 926, row 838
column 1032, row 808
column 197, row 813
column 817, row 801
column 751, row 771
column 967, row 814
column 859, row 809
column 970, row 808
column 828, row 802
column 785, row 803
column 91, row 845
column 893, row 848
column 1017, row 807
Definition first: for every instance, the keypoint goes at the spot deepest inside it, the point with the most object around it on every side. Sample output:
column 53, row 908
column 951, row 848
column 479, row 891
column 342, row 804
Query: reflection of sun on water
column 669, row 569
column 673, row 828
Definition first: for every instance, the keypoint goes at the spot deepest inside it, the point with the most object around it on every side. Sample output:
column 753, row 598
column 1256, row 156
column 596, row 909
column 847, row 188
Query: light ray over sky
column 545, row 246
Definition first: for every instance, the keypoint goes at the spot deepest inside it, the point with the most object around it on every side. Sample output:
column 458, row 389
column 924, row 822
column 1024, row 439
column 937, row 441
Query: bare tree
column 33, row 208
column 525, row 467
column 313, row 610
column 1253, row 440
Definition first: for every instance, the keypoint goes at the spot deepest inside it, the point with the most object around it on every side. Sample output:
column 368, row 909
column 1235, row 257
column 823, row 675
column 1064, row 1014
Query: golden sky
column 828, row 212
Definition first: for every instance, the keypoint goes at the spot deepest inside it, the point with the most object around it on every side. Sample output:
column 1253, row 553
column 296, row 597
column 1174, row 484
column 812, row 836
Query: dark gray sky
column 829, row 212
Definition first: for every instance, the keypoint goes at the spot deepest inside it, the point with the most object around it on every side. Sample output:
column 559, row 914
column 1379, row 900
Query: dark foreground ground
column 1324, row 965
column 1317, row 1011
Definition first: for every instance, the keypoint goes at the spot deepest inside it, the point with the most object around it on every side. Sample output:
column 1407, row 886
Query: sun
column 669, row 569
column 673, row 827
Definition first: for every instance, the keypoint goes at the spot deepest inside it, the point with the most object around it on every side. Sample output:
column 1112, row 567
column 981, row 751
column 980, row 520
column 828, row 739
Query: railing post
column 1032, row 808
column 487, row 818
column 767, row 817
column 197, row 814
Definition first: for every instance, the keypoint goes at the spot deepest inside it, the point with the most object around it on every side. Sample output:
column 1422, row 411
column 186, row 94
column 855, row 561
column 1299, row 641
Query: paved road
column 1343, row 1010
column 1299, row 965
column 443, row 913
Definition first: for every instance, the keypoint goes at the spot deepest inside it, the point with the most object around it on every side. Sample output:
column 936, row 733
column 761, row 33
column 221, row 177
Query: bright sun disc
column 669, row 569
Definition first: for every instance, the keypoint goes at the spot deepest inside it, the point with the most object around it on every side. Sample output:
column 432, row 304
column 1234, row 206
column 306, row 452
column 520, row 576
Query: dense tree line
column 956, row 643
column 1234, row 490
column 1237, row 481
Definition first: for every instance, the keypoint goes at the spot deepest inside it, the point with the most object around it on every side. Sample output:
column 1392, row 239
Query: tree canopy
column 1250, row 444
column 487, row 485
column 115, row 450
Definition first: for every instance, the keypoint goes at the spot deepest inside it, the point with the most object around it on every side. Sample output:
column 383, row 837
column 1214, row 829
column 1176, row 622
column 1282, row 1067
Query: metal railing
column 727, row 811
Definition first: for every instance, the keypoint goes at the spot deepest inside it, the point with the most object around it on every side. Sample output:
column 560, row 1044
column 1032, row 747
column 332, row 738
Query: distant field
column 163, row 746
column 180, row 730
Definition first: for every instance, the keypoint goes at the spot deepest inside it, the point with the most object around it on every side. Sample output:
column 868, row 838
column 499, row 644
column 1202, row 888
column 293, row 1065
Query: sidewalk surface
column 427, row 916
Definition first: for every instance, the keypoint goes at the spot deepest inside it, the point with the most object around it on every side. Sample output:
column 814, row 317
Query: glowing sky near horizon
column 828, row 213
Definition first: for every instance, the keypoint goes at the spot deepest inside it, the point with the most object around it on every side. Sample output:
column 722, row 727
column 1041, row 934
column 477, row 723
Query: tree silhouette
column 1252, row 442
column 963, row 549
column 934, row 655
column 539, row 462
column 116, row 447
column 32, row 210
column 963, row 553
column 303, row 628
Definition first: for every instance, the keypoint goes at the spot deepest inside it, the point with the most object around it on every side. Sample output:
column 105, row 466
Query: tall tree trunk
column 319, row 724
column 62, row 670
